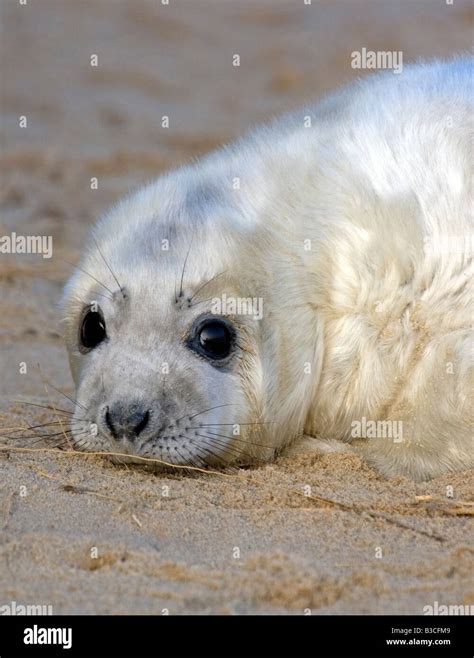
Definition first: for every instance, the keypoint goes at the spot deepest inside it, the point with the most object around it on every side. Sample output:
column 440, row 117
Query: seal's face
column 159, row 374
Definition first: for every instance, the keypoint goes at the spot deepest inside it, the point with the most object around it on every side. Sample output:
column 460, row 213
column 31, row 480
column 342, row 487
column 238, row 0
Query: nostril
column 142, row 424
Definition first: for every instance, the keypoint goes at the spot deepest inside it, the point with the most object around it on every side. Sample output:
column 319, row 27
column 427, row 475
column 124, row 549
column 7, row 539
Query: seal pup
column 348, row 225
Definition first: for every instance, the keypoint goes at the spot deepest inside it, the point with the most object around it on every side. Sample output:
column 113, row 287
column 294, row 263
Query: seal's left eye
column 212, row 338
column 92, row 330
column 215, row 339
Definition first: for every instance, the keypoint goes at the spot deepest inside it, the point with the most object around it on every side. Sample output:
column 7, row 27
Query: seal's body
column 312, row 279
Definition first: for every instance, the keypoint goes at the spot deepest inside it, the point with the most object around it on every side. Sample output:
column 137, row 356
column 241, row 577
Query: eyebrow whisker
column 205, row 284
column 184, row 268
column 108, row 267
column 100, row 294
column 92, row 277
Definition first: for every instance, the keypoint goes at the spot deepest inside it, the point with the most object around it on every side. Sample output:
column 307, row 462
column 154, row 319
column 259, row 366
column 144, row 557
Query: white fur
column 378, row 309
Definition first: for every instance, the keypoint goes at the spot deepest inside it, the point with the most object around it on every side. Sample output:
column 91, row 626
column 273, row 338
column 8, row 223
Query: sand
column 87, row 536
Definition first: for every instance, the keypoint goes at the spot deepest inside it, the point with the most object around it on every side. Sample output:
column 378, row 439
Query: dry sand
column 177, row 551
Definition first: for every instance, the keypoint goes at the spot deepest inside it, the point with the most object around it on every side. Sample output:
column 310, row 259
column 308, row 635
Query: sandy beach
column 90, row 537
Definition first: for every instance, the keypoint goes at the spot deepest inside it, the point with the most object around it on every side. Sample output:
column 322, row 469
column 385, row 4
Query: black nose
column 126, row 420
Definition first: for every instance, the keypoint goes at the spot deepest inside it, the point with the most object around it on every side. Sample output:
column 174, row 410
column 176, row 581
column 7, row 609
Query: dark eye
column 92, row 330
column 215, row 339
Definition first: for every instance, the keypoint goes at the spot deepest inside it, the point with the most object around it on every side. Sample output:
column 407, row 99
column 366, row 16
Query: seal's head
column 172, row 350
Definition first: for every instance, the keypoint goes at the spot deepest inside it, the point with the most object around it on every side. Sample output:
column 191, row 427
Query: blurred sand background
column 177, row 551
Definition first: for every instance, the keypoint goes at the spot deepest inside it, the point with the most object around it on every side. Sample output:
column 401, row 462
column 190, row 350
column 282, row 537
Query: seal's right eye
column 92, row 330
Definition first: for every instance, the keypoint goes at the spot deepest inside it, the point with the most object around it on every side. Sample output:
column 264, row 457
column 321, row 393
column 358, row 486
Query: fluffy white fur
column 355, row 231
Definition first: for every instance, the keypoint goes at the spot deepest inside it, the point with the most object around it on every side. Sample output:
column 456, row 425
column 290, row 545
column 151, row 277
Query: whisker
column 63, row 441
column 28, row 432
column 77, row 404
column 202, row 301
column 100, row 294
column 183, row 458
column 218, row 441
column 47, row 393
column 108, row 266
column 208, row 451
column 206, row 410
column 270, row 422
column 202, row 456
column 44, row 406
column 91, row 276
column 75, row 443
column 80, row 445
column 235, row 449
column 220, row 458
column 60, row 445
column 238, row 452
column 33, row 427
column 211, row 442
column 193, row 458
column 44, row 436
column 38, row 437
column 205, row 284
column 83, row 432
column 236, row 438
column 184, row 267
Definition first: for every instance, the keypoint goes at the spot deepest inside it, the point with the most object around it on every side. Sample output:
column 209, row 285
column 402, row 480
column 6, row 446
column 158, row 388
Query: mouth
column 187, row 441
column 161, row 450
